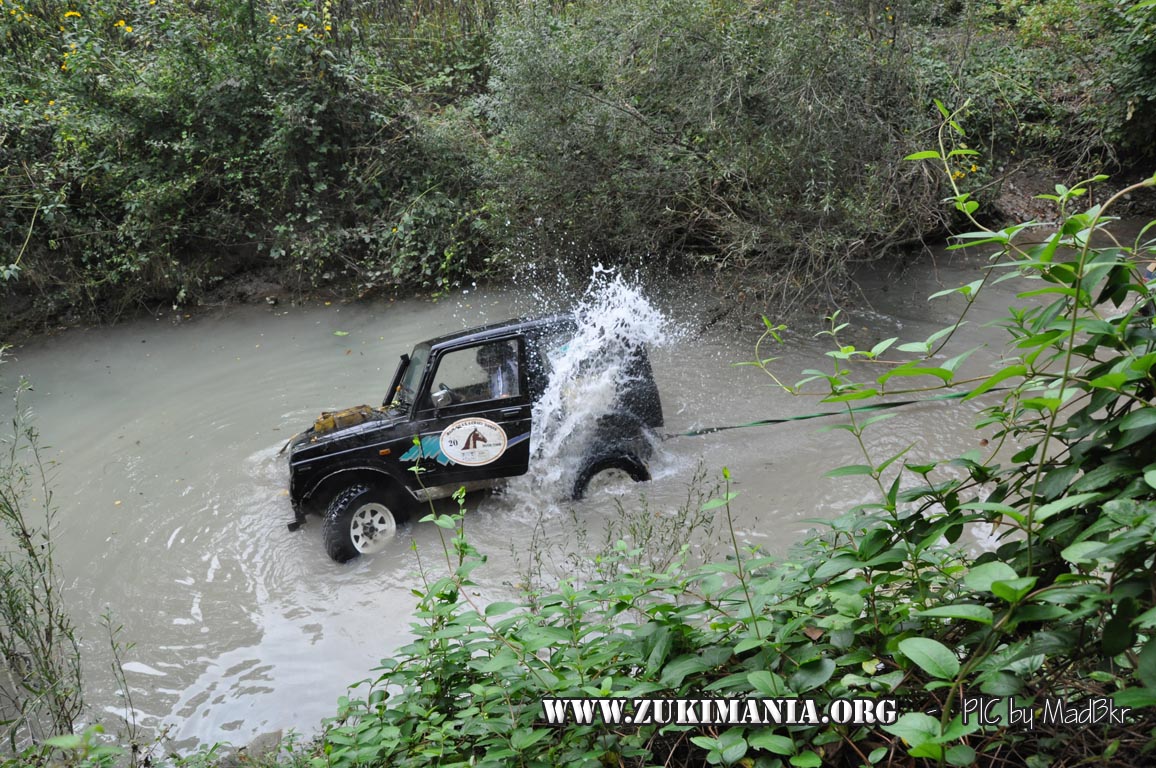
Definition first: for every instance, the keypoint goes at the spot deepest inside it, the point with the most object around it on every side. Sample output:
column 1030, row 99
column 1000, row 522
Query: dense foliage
column 724, row 133
column 151, row 151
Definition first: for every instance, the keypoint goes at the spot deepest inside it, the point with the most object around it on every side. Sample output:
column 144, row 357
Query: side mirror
column 441, row 398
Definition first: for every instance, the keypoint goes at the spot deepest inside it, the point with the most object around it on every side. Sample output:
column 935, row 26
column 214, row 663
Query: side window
column 547, row 346
column 487, row 372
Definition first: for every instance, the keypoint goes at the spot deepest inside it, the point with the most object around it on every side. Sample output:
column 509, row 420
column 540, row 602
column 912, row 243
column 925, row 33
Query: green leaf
column 807, row 759
column 65, row 741
column 733, row 746
column 961, row 755
column 979, row 613
column 932, row 656
column 493, row 609
column 1146, row 664
column 749, row 644
column 1119, row 634
column 812, row 675
column 1059, row 505
column 771, row 742
column 502, row 661
column 341, row 333
column 981, row 577
column 523, row 738
column 1145, row 417
column 1080, row 552
column 882, row 346
column 716, row 503
column 927, row 154
column 676, row 671
column 996, row 378
column 1109, row 381
column 1135, row 697
column 849, row 470
column 767, row 683
column 911, row 370
column 835, row 566
column 915, row 728
column 1013, row 590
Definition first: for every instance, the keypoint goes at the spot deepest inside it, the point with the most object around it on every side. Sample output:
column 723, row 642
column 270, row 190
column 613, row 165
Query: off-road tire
column 631, row 465
column 360, row 520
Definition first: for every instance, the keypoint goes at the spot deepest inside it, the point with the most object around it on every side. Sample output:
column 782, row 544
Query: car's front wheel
column 361, row 520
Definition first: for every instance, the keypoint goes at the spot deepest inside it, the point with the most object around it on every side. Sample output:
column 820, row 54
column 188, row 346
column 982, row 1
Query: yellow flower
column 128, row 29
column 974, row 168
column 272, row 19
column 51, row 102
column 301, row 27
column 328, row 27
column 71, row 13
column 119, row 23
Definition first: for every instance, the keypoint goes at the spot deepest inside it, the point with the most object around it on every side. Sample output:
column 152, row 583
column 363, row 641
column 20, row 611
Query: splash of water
column 588, row 374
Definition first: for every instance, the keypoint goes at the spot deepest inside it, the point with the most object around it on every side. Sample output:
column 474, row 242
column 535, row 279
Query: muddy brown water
column 172, row 506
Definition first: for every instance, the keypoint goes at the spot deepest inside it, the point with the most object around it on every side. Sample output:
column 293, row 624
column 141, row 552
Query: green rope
column 805, row 417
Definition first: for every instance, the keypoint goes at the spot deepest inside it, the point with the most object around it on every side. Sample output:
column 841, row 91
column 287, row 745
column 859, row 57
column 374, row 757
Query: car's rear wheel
column 361, row 520
column 609, row 468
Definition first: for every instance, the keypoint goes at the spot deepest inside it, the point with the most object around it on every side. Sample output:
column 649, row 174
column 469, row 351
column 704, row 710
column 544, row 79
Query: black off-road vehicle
column 460, row 408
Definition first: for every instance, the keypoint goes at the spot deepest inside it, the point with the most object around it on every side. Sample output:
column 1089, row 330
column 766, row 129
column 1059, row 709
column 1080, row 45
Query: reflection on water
column 173, row 510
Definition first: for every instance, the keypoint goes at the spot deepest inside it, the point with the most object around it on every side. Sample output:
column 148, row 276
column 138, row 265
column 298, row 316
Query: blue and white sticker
column 473, row 442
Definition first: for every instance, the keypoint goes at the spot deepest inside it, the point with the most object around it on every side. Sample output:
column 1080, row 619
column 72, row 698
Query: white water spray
column 587, row 375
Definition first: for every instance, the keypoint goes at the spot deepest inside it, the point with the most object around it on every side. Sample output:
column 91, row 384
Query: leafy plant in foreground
column 40, row 680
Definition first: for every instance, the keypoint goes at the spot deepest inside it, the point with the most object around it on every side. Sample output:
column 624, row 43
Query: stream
column 164, row 440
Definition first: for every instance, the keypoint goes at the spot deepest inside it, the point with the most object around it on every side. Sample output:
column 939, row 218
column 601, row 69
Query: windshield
column 407, row 387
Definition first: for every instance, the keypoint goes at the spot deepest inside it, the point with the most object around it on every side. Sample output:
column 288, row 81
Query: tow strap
column 822, row 414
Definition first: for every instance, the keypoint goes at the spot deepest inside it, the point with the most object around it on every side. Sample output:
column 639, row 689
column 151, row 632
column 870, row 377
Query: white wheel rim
column 371, row 528
column 612, row 480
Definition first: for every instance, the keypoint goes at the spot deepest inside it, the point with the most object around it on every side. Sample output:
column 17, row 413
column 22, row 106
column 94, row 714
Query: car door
column 484, row 430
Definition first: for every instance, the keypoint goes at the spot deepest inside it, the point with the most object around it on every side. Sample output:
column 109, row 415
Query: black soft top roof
column 500, row 330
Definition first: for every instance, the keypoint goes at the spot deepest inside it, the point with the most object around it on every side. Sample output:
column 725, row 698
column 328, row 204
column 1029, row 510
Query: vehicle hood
column 336, row 428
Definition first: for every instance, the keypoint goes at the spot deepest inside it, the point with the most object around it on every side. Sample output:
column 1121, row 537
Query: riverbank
column 494, row 138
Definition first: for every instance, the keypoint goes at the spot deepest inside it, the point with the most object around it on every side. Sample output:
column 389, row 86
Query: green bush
column 703, row 132
column 1069, row 83
column 154, row 149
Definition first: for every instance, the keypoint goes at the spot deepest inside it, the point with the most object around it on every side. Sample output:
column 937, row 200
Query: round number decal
column 473, row 442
